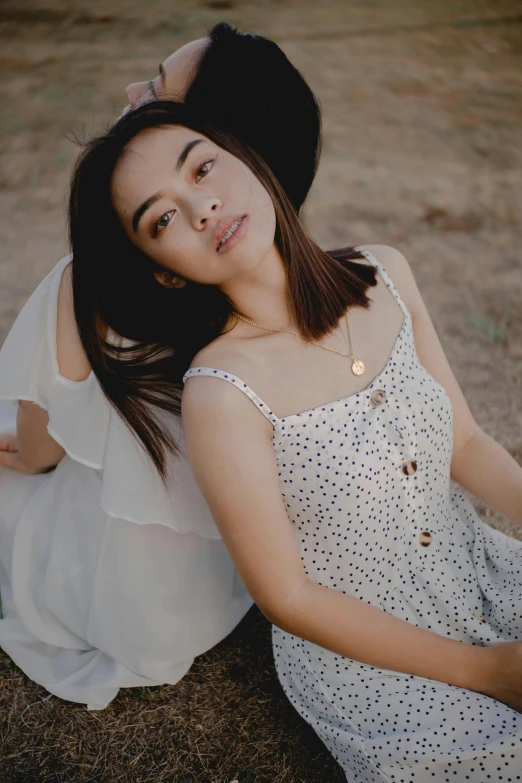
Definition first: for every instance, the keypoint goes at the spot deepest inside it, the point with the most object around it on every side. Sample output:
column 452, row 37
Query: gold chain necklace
column 357, row 366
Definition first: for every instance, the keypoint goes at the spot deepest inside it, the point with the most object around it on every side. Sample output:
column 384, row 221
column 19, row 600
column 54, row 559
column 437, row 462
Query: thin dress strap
column 387, row 279
column 241, row 385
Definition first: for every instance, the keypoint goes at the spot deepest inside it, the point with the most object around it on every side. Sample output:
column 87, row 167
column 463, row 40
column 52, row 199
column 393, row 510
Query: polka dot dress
column 366, row 484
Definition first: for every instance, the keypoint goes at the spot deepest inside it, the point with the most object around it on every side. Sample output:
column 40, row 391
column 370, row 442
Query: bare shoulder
column 399, row 270
column 208, row 396
column 72, row 361
column 210, row 403
column 218, row 353
column 391, row 258
column 216, row 411
column 233, row 353
column 205, row 396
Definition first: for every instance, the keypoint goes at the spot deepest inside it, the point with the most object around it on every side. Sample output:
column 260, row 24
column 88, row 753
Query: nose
column 136, row 91
column 203, row 211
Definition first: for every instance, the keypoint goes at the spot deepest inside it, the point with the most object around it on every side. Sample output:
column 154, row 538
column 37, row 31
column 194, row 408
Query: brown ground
column 422, row 104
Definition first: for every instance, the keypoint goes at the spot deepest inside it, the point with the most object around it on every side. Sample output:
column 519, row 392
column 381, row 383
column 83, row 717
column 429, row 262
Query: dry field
column 422, row 103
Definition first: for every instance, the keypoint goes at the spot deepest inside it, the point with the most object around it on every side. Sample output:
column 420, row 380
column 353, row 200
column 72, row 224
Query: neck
column 261, row 294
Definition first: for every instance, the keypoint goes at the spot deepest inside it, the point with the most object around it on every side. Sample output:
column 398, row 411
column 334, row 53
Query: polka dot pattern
column 366, row 484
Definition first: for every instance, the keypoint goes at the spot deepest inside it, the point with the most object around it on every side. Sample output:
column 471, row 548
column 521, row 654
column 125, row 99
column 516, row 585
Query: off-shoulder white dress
column 108, row 579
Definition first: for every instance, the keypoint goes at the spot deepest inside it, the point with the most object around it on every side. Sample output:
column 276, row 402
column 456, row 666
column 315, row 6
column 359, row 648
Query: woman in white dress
column 110, row 574
column 323, row 423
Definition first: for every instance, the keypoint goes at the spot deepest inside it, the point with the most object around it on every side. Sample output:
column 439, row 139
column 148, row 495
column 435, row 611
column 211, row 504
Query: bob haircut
column 249, row 87
column 114, row 287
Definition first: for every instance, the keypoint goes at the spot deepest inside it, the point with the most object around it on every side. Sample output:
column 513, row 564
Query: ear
column 168, row 280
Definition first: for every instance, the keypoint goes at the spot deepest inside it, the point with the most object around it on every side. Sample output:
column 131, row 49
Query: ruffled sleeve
column 85, row 424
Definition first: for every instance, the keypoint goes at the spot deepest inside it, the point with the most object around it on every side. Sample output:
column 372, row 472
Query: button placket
column 378, row 397
column 415, row 512
column 407, row 440
column 409, row 468
column 381, row 401
column 421, row 535
column 425, row 538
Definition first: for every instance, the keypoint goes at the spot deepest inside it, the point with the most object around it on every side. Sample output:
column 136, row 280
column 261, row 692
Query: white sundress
column 108, row 579
column 366, row 484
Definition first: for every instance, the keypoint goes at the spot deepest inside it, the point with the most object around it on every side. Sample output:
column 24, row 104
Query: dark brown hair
column 114, row 287
column 274, row 110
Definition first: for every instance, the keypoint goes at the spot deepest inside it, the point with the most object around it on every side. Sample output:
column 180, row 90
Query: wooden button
column 425, row 538
column 478, row 617
column 409, row 468
column 378, row 396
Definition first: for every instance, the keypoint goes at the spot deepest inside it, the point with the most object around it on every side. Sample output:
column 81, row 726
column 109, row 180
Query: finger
column 8, row 442
column 11, row 459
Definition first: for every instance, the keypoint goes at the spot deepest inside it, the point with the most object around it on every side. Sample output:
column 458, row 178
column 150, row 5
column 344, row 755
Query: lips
column 225, row 230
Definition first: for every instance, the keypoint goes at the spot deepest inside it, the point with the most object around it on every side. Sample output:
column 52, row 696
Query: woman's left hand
column 10, row 456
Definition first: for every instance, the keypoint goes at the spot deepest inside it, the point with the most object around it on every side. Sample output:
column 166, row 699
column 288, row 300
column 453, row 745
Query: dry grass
column 422, row 106
column 228, row 719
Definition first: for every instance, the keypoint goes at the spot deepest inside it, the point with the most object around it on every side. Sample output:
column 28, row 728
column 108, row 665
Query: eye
column 204, row 170
column 163, row 222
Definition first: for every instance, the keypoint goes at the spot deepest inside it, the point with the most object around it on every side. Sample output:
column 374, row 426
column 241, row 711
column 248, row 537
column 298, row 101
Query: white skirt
column 92, row 603
column 109, row 577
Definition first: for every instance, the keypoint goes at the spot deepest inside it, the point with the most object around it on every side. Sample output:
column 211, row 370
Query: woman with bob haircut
column 112, row 571
column 323, row 424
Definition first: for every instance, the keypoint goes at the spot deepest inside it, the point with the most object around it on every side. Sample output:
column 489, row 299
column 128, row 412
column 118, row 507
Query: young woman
column 112, row 571
column 323, row 424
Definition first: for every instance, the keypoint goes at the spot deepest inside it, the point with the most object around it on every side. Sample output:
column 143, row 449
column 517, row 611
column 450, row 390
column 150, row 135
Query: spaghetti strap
column 241, row 385
column 387, row 279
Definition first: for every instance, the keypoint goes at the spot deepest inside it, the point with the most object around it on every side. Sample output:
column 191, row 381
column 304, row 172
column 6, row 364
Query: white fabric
column 408, row 544
column 108, row 579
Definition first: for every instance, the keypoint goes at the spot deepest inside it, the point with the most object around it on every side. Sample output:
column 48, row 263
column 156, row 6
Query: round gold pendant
column 358, row 368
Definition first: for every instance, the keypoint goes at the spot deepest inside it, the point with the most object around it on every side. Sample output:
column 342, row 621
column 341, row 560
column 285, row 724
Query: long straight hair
column 115, row 292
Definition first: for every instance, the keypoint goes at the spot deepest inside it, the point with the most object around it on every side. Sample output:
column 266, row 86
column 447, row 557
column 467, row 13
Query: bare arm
column 230, row 448
column 72, row 361
column 486, row 469
column 32, row 449
column 479, row 463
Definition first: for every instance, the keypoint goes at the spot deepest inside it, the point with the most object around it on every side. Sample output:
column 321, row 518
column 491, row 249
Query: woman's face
column 174, row 77
column 193, row 208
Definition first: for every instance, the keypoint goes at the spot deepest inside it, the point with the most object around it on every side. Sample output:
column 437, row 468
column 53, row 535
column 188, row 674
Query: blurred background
column 422, row 109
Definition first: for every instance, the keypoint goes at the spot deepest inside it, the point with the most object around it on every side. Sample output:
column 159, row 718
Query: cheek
column 265, row 209
column 175, row 254
column 265, row 219
column 176, row 86
column 184, row 255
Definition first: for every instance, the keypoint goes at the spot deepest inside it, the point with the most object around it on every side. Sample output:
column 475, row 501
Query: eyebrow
column 144, row 207
column 185, row 152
